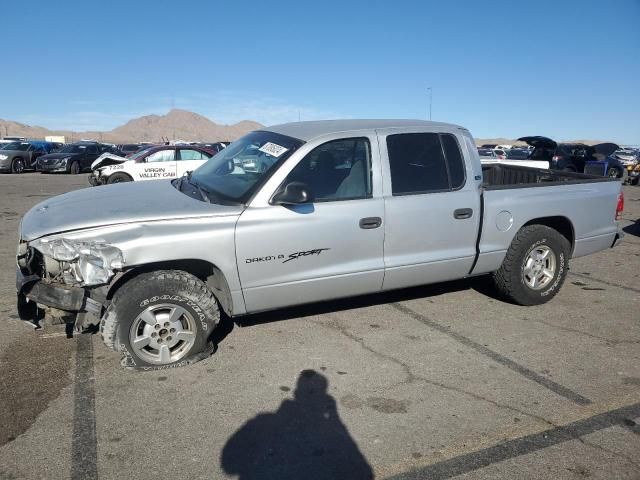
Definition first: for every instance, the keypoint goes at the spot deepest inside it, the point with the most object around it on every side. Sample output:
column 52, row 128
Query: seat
column 354, row 185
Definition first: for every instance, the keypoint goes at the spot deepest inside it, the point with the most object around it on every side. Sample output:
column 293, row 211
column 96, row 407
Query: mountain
column 182, row 125
column 175, row 125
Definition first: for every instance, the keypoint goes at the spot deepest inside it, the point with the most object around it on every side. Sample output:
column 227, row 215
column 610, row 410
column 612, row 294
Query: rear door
column 432, row 207
column 189, row 159
column 327, row 249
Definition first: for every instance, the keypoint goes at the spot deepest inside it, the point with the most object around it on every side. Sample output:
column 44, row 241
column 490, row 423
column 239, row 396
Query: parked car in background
column 628, row 154
column 634, row 174
column 568, row 157
column 16, row 157
column 518, row 154
column 162, row 161
column 486, row 152
column 610, row 166
column 73, row 158
column 489, row 157
column 500, row 153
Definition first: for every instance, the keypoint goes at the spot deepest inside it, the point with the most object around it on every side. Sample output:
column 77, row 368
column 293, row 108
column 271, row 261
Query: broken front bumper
column 95, row 180
column 31, row 289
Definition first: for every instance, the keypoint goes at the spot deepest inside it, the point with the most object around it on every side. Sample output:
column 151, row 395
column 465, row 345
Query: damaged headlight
column 85, row 262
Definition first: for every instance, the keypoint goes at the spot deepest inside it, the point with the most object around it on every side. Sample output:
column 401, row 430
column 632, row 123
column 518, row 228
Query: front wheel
column 74, row 169
column 119, row 177
column 17, row 166
column 534, row 267
column 160, row 318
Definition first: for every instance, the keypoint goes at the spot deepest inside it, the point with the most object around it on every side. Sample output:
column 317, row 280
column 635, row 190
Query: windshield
column 73, row 149
column 17, row 146
column 140, row 153
column 237, row 170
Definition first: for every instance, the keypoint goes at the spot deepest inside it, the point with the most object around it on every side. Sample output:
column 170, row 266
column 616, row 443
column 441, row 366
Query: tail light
column 620, row 206
column 556, row 158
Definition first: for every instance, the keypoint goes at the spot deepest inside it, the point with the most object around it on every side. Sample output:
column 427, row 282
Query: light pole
column 430, row 100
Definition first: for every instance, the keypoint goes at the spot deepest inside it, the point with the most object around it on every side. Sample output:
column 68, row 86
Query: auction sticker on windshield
column 273, row 149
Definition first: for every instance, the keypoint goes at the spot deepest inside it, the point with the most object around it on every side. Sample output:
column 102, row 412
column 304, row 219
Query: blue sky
column 567, row 69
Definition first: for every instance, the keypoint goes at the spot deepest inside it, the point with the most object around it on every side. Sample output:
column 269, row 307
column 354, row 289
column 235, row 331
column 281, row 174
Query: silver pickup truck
column 301, row 213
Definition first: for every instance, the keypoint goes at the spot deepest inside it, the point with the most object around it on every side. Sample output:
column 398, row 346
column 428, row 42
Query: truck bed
column 497, row 177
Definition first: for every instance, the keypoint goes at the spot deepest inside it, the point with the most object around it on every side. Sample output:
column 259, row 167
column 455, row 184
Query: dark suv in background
column 73, row 158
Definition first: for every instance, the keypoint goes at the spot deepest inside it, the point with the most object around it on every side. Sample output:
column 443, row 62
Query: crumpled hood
column 120, row 203
column 108, row 159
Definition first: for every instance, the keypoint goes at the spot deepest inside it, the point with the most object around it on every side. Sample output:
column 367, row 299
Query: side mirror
column 293, row 193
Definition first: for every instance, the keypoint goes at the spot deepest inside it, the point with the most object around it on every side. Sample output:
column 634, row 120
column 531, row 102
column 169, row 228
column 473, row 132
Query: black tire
column 160, row 293
column 510, row 278
column 17, row 166
column 119, row 177
column 613, row 173
column 74, row 169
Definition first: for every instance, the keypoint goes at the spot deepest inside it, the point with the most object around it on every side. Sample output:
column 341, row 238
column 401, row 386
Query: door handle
column 370, row 222
column 462, row 213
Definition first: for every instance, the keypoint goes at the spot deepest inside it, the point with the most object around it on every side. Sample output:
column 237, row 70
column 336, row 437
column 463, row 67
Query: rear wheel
column 534, row 267
column 119, row 177
column 17, row 166
column 74, row 169
column 160, row 318
column 612, row 173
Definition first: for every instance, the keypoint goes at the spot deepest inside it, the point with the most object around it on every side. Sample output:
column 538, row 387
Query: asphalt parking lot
column 430, row 382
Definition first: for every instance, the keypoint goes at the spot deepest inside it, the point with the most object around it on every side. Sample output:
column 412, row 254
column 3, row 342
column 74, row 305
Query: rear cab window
column 425, row 163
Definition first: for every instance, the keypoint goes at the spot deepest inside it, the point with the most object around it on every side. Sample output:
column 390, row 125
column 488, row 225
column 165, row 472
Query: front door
column 157, row 165
column 329, row 248
column 432, row 207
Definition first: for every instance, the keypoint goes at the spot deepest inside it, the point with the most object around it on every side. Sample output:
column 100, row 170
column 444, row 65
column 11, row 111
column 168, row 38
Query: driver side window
column 337, row 170
column 162, row 156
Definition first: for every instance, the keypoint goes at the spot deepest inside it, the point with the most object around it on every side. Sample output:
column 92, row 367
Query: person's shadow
column 303, row 439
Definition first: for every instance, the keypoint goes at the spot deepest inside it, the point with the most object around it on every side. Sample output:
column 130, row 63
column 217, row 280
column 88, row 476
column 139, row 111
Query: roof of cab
column 309, row 130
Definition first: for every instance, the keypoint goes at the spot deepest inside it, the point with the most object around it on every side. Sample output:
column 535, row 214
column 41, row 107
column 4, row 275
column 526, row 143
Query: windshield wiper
column 201, row 191
column 179, row 184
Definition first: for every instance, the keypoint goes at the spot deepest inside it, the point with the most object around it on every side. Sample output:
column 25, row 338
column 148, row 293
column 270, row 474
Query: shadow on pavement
column 633, row 229
column 304, row 439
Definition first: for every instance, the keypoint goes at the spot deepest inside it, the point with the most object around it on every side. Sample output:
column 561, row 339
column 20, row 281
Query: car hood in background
column 539, row 142
column 604, row 149
column 116, row 204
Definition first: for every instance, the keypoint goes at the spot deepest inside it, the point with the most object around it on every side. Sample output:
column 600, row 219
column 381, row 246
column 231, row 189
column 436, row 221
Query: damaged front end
column 67, row 275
